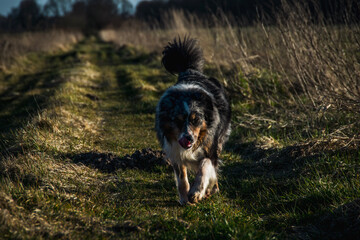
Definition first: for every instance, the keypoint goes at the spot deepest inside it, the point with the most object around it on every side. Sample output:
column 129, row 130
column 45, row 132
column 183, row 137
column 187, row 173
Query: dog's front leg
column 205, row 181
column 182, row 183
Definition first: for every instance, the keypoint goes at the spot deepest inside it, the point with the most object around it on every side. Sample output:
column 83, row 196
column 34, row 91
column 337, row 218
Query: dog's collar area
column 190, row 72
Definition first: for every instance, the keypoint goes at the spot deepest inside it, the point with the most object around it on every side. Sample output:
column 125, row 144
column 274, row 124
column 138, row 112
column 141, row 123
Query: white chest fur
column 180, row 156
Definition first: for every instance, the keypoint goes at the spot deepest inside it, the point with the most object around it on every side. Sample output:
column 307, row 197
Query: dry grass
column 13, row 46
column 221, row 42
column 320, row 60
column 299, row 75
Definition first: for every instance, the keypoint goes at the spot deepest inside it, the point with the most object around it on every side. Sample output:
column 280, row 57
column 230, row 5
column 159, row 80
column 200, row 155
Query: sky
column 7, row 5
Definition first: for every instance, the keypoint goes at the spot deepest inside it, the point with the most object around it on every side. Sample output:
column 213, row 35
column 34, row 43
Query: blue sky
column 7, row 5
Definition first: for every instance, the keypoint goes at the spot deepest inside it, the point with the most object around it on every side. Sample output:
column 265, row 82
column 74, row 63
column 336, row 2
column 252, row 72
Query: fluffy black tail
column 179, row 56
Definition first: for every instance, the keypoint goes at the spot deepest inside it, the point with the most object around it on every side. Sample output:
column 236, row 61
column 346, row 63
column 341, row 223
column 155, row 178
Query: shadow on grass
column 270, row 180
column 146, row 159
column 276, row 164
column 17, row 104
column 343, row 223
column 28, row 93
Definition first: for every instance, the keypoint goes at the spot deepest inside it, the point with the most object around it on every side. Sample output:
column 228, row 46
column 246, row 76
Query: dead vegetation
column 299, row 63
column 13, row 46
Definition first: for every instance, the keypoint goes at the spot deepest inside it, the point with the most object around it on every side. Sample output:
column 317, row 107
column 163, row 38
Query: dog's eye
column 195, row 120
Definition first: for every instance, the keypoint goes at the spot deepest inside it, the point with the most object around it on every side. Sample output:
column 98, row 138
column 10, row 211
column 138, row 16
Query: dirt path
column 65, row 124
column 73, row 127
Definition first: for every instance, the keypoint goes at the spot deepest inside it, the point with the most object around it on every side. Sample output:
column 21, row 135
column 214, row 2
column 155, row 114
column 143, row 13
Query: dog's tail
column 178, row 56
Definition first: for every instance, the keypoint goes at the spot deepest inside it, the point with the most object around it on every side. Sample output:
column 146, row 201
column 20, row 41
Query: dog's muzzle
column 186, row 141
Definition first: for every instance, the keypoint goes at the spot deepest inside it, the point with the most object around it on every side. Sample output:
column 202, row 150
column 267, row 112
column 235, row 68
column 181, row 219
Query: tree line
column 92, row 15
column 86, row 15
column 249, row 11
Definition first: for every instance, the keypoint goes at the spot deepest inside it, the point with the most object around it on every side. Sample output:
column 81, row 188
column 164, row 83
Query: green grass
column 278, row 172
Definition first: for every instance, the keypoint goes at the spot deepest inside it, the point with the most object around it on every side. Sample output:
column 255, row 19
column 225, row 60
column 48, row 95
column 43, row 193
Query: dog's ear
column 207, row 105
column 178, row 56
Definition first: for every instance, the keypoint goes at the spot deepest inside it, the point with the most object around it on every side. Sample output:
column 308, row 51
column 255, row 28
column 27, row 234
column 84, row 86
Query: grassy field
column 14, row 46
column 70, row 118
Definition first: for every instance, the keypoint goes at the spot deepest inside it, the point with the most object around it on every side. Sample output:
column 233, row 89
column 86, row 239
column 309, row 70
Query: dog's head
column 184, row 118
column 189, row 125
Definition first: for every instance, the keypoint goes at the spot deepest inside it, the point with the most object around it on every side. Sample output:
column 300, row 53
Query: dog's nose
column 189, row 138
column 186, row 141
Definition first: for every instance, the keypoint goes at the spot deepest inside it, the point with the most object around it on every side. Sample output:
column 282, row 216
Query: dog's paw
column 195, row 197
column 184, row 200
column 213, row 190
column 208, row 193
column 185, row 203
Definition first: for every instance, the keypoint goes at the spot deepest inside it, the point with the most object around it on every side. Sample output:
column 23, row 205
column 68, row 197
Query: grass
column 281, row 176
column 15, row 46
column 314, row 60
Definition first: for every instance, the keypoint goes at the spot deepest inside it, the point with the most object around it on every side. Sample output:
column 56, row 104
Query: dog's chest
column 179, row 155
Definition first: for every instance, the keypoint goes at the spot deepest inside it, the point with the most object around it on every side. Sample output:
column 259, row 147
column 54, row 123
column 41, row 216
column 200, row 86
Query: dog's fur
column 192, row 120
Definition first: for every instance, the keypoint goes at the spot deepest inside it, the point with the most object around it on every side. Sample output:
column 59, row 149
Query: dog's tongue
column 185, row 143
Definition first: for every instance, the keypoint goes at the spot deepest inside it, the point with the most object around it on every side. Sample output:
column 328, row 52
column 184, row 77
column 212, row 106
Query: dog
column 192, row 121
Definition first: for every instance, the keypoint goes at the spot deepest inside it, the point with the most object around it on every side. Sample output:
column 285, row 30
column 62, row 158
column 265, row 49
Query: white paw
column 195, row 197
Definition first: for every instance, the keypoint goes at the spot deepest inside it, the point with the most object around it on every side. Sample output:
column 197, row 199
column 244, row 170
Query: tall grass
column 297, row 71
column 320, row 59
column 13, row 46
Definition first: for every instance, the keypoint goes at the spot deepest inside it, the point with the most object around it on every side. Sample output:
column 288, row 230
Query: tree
column 79, row 8
column 125, row 7
column 56, row 8
column 26, row 16
column 51, row 9
column 100, row 13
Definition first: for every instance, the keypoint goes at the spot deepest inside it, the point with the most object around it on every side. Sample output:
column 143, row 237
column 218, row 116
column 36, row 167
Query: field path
column 79, row 160
column 65, row 118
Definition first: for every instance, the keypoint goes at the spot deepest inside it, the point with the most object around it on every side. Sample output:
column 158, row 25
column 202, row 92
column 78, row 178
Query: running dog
column 192, row 121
